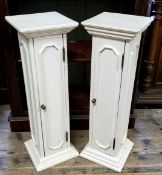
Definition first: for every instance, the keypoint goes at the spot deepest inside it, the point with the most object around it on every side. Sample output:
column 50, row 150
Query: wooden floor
column 145, row 158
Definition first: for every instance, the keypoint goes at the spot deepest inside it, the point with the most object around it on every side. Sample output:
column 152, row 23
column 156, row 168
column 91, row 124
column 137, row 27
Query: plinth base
column 116, row 163
column 46, row 162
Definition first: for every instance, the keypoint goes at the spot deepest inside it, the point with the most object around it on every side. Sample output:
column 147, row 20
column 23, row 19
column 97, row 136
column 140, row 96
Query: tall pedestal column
column 115, row 46
column 43, row 47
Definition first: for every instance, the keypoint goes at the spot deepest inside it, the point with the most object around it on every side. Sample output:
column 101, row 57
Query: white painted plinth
column 115, row 46
column 43, row 47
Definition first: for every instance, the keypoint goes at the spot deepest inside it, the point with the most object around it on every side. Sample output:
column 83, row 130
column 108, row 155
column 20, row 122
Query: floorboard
column 145, row 157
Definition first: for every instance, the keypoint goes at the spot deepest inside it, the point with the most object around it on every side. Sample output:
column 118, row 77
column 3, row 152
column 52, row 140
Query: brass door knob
column 94, row 101
column 43, row 107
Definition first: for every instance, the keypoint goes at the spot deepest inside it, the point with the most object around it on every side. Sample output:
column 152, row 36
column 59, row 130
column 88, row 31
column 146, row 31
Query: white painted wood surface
column 106, row 73
column 50, row 72
column 30, row 80
column 41, row 24
column 115, row 46
column 43, row 47
column 116, row 25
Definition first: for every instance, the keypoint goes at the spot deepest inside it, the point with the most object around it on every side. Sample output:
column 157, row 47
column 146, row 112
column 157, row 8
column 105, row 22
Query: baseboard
column 79, row 122
column 132, row 120
column 21, row 124
column 4, row 99
column 150, row 99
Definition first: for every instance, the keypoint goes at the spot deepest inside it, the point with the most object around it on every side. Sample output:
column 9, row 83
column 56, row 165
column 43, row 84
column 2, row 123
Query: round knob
column 43, row 107
column 94, row 101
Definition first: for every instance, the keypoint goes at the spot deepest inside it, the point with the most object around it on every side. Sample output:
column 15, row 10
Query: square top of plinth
column 122, row 24
column 41, row 23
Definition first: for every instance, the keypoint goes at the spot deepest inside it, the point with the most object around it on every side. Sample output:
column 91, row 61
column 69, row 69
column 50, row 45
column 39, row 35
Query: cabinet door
column 105, row 88
column 52, row 90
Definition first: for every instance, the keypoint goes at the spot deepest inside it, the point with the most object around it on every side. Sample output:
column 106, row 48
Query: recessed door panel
column 50, row 68
column 107, row 61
